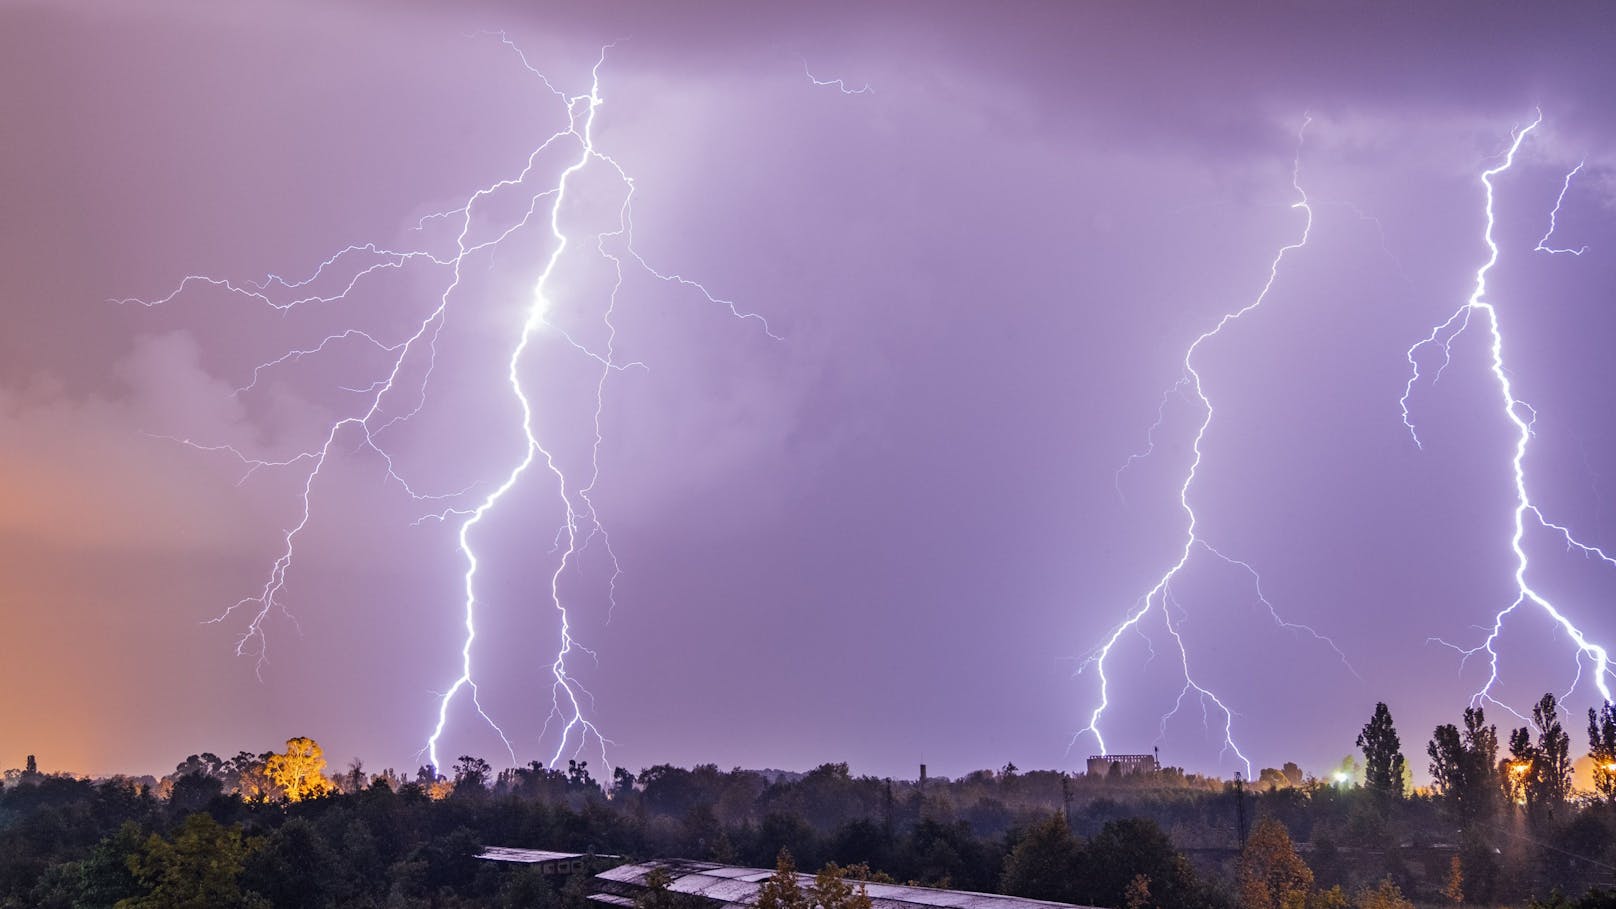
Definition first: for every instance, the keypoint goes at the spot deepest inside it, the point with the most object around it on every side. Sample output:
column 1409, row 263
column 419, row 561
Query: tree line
column 1499, row 825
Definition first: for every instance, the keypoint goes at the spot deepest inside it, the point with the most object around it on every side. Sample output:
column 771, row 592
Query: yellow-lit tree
column 832, row 890
column 1137, row 896
column 1272, row 875
column 1384, row 895
column 1453, row 890
column 299, row 773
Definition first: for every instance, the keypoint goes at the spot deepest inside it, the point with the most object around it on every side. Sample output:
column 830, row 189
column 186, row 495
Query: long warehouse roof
column 736, row 887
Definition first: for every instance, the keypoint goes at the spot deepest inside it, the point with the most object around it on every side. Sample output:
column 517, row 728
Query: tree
column 831, row 888
column 1127, row 848
column 471, row 775
column 1045, row 864
column 296, row 866
column 622, row 782
column 1272, row 875
column 528, row 888
column 299, row 773
column 578, row 777
column 1539, row 775
column 781, row 890
column 1383, row 757
column 1272, row 778
column 1515, row 772
column 1138, row 893
column 1602, row 748
column 1384, row 895
column 1453, row 886
column 1464, row 768
column 245, row 775
column 207, row 763
column 192, row 792
column 1292, row 773
column 1447, row 761
column 659, row 895
column 1343, row 773
column 1553, row 777
column 198, row 870
column 100, row 879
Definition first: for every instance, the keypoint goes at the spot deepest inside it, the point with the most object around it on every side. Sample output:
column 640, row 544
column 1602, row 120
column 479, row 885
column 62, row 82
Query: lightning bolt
column 1523, row 418
column 1160, row 598
column 392, row 398
column 838, row 84
column 1554, row 215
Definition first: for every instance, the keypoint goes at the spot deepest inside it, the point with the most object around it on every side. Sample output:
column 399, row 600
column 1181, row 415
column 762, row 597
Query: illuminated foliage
column 1384, row 895
column 299, row 772
column 1272, row 875
column 1602, row 748
column 1538, row 775
column 1453, row 887
column 832, row 890
column 1138, row 893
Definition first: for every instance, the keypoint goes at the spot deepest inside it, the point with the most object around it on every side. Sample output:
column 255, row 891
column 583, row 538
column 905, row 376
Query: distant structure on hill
column 1123, row 764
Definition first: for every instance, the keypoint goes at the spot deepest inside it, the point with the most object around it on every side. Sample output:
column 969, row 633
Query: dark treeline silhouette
column 1500, row 825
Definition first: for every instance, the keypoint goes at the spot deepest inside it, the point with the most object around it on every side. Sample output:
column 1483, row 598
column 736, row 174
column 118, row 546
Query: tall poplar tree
column 1383, row 755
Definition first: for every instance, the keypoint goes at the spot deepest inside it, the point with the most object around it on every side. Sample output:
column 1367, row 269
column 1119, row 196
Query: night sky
column 891, row 535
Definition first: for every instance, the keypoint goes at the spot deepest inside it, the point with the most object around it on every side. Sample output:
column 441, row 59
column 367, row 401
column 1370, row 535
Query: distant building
column 1125, row 764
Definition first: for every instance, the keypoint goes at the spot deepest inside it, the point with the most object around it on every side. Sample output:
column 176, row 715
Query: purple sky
column 892, row 536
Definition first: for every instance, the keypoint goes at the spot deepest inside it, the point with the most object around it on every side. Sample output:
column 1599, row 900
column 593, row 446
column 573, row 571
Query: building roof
column 529, row 856
column 735, row 887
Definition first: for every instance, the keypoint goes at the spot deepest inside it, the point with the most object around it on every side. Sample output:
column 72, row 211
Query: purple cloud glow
column 894, row 534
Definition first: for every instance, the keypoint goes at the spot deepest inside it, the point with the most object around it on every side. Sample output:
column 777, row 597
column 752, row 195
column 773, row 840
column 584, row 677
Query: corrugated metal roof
column 736, row 887
column 528, row 856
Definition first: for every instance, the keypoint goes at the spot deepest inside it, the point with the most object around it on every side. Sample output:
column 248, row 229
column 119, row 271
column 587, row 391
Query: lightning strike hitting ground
column 1523, row 418
column 390, row 400
column 1161, row 598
